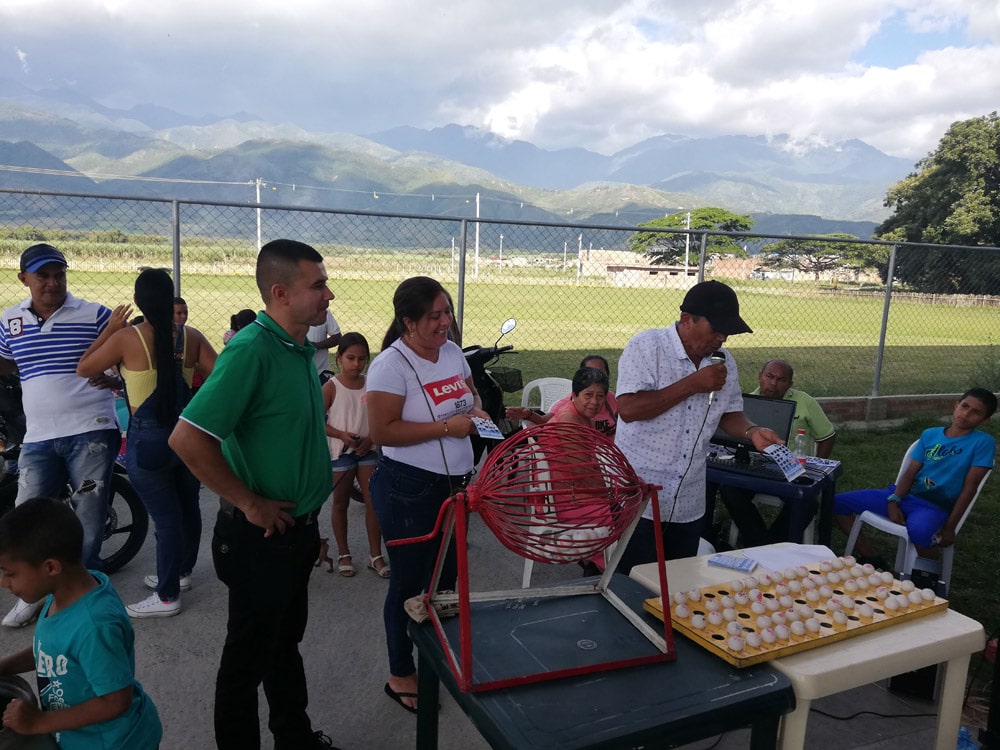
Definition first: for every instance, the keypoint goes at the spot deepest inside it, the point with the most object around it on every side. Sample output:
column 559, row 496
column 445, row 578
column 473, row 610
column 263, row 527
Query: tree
column 663, row 248
column 953, row 198
column 821, row 254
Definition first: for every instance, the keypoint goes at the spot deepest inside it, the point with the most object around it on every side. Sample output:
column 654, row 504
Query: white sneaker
column 153, row 581
column 154, row 606
column 22, row 614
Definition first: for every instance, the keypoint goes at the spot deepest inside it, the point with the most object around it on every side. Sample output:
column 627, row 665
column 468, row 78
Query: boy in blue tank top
column 83, row 651
column 947, row 464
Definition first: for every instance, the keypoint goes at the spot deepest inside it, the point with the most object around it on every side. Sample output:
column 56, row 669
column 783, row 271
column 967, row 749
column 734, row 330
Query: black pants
column 268, row 583
column 793, row 519
column 679, row 540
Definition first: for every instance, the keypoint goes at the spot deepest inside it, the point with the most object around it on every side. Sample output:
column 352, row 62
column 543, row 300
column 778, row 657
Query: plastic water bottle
column 799, row 447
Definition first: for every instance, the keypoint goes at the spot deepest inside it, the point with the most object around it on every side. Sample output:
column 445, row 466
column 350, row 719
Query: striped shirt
column 57, row 401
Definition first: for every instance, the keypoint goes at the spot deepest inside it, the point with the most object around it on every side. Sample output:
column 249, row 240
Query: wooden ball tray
column 832, row 628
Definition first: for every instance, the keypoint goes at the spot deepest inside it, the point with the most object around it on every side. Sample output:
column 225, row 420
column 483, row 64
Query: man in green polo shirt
column 255, row 434
column 775, row 381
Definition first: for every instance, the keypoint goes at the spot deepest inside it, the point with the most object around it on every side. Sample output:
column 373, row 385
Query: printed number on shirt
column 16, row 326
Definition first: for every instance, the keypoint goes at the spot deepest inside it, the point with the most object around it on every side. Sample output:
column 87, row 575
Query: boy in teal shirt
column 946, row 466
column 83, row 651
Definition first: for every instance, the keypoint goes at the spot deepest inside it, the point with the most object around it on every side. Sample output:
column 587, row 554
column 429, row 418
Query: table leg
column 764, row 733
column 428, row 689
column 824, row 530
column 793, row 726
column 950, row 702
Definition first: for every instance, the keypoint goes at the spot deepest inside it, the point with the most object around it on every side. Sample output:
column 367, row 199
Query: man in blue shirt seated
column 946, row 466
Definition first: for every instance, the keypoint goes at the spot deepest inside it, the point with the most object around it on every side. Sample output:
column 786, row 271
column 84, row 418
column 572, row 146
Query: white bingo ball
column 906, row 586
column 711, row 605
column 812, row 625
column 727, row 602
column 682, row 611
column 758, row 608
column 795, row 587
column 778, row 618
column 797, row 628
column 715, row 618
column 837, row 563
column 698, row 621
column 694, row 595
column 771, row 604
column 927, row 594
column 887, row 577
column 867, row 611
column 764, row 622
column 890, row 604
column 736, row 586
column 839, row 617
column 767, row 635
column 680, row 597
column 915, row 597
column 742, row 599
column 812, row 595
column 734, row 628
column 786, row 601
column 782, row 632
column 729, row 614
column 736, row 643
column 753, row 640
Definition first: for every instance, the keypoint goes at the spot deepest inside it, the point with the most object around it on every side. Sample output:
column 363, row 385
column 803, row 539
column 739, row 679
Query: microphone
column 716, row 358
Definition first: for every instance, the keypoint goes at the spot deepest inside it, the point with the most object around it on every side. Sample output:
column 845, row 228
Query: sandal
column 345, row 569
column 382, row 572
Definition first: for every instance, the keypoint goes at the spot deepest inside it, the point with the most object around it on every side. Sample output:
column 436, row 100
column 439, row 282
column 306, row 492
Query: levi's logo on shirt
column 445, row 390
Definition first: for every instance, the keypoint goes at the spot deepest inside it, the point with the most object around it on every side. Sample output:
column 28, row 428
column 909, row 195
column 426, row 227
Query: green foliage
column 953, row 199
column 822, row 254
column 26, row 233
column 663, row 248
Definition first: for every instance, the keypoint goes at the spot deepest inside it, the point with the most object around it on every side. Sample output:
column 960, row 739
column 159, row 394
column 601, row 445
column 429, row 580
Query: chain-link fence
column 574, row 289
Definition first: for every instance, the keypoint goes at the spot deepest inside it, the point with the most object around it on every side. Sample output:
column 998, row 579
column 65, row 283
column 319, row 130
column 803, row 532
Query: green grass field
column 831, row 340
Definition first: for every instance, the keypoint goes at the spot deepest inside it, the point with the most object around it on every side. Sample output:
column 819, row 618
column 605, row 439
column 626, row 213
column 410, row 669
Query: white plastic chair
column 906, row 551
column 761, row 498
column 550, row 390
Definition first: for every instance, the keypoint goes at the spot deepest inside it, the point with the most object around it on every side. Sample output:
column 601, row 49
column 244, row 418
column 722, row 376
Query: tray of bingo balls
column 770, row 614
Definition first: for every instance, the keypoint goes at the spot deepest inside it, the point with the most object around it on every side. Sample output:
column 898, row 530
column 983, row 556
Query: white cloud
column 593, row 73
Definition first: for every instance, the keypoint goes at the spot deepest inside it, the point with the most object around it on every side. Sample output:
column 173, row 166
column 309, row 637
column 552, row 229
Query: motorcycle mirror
column 507, row 326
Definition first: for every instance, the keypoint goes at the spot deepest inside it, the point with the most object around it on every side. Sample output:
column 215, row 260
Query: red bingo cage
column 554, row 493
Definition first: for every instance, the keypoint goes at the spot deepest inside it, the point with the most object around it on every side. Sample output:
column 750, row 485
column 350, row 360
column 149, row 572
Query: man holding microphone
column 675, row 387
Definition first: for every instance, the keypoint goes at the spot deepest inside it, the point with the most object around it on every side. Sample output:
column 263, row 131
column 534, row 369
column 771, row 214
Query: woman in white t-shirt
column 421, row 401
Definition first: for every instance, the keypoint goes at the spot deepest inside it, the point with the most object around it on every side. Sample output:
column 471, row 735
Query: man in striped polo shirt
column 73, row 435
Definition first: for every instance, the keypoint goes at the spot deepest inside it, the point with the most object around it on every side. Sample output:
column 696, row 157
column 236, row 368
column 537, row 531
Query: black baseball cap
column 716, row 302
column 39, row 255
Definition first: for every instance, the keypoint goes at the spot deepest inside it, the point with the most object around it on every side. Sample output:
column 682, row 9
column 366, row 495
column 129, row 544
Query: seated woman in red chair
column 947, row 465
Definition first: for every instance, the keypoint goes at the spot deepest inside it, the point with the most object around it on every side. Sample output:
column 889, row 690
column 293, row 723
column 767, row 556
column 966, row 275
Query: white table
column 945, row 638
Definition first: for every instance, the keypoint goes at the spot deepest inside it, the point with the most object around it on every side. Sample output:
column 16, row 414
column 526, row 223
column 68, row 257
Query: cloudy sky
column 601, row 74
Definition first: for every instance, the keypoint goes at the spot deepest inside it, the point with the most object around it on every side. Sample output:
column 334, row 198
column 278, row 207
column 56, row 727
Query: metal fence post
column 175, row 220
column 880, row 352
column 702, row 255
column 460, row 312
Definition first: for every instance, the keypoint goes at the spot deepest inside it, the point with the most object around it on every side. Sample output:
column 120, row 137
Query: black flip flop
column 398, row 697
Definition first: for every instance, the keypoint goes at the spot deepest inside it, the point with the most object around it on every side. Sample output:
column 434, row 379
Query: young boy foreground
column 947, row 465
column 83, row 652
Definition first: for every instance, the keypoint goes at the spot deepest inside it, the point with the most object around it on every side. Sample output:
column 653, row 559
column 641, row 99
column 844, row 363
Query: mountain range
column 59, row 140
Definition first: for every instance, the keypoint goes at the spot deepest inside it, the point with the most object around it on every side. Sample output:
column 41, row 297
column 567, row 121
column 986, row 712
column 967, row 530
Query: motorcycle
column 127, row 523
column 492, row 381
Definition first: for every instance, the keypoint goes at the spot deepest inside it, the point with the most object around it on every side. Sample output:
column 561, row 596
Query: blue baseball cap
column 39, row 255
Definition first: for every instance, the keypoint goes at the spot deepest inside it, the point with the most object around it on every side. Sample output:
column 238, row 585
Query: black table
column 653, row 706
column 824, row 488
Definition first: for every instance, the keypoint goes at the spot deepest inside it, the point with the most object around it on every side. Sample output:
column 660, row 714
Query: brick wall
column 843, row 409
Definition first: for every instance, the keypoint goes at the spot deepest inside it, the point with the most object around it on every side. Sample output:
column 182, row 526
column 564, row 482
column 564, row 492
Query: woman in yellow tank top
column 156, row 359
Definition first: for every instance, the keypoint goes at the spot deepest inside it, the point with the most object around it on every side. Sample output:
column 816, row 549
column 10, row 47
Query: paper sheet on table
column 779, row 558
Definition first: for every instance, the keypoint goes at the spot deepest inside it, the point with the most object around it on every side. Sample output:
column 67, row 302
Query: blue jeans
column 407, row 500
column 923, row 518
column 83, row 462
column 169, row 491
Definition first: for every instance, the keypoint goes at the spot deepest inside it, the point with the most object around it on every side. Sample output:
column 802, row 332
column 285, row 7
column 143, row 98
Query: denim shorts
column 348, row 461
